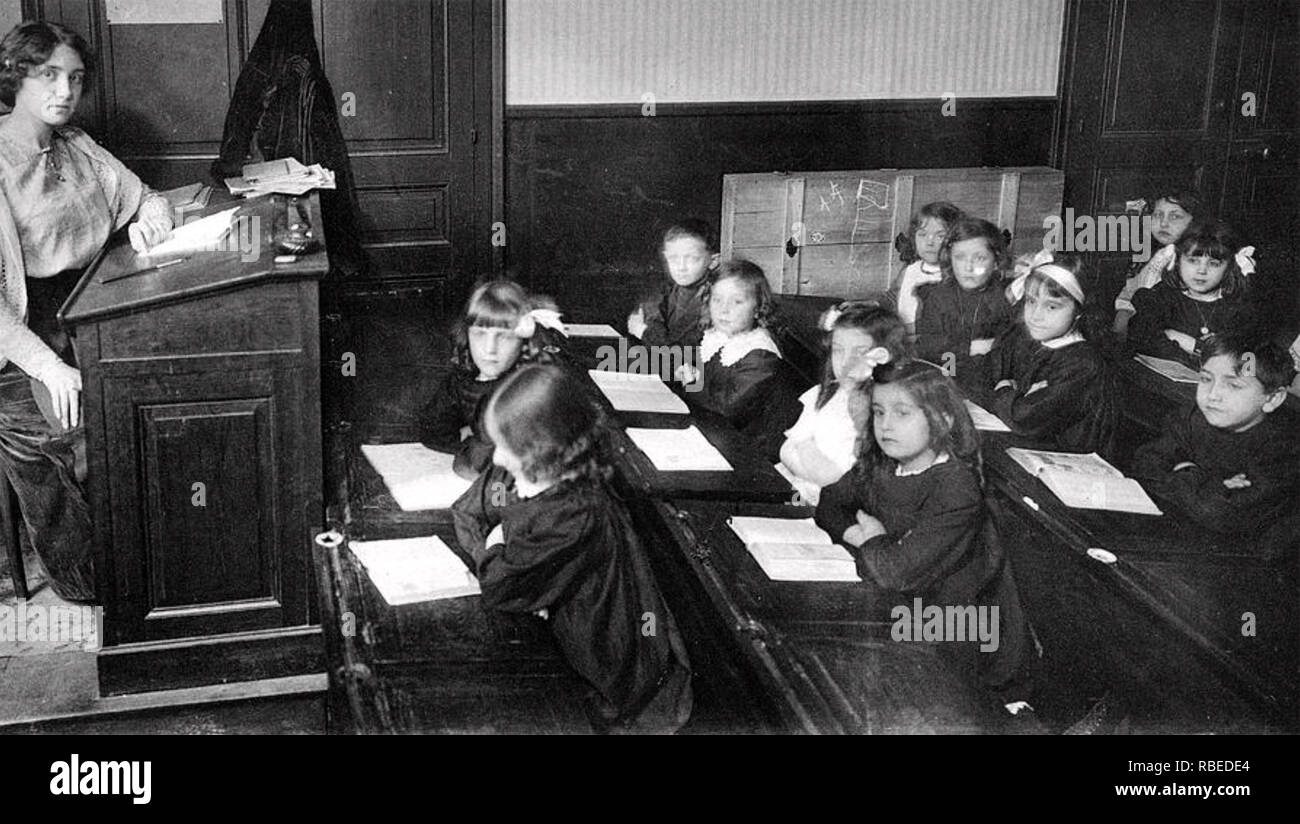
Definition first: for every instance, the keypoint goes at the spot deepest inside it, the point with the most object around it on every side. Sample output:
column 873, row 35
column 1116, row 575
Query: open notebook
column 638, row 393
column 790, row 549
column 679, row 450
column 417, row 477
column 1085, row 481
column 411, row 570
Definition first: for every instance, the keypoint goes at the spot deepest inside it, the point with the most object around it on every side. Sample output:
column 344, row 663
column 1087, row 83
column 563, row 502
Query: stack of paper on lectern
column 679, row 450
column 416, row 476
column 790, row 549
column 984, row 420
column 284, row 175
column 1173, row 370
column 638, row 393
column 1085, row 481
column 411, row 570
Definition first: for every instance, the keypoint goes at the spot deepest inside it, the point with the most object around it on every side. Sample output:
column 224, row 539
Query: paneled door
column 414, row 81
column 1196, row 93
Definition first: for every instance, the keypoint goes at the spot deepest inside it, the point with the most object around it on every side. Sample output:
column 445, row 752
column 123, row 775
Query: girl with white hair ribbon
column 821, row 446
column 1048, row 381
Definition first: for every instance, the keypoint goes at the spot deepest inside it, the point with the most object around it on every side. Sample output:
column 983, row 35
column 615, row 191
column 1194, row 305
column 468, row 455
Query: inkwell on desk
column 294, row 235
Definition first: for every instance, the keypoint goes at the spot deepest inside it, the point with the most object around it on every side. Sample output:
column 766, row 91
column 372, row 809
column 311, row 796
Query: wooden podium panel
column 202, row 413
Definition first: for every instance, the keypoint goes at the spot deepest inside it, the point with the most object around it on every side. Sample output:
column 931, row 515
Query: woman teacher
column 61, row 197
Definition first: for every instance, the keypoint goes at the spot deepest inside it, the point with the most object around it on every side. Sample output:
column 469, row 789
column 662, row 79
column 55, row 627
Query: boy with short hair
column 1230, row 465
column 672, row 316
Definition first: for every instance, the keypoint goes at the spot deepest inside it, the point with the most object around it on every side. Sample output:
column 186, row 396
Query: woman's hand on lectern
column 64, row 383
column 148, row 231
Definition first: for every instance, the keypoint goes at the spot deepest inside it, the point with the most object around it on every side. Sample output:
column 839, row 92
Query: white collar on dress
column 735, row 347
column 899, row 471
column 1064, row 340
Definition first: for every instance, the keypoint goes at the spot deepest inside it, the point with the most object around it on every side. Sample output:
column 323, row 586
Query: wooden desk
column 800, row 657
column 752, row 478
column 1161, row 626
column 437, row 667
column 202, row 416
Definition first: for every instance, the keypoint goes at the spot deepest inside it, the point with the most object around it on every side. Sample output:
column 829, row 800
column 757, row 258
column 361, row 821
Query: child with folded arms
column 1230, row 464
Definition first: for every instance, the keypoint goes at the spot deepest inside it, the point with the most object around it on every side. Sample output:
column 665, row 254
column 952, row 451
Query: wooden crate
column 832, row 233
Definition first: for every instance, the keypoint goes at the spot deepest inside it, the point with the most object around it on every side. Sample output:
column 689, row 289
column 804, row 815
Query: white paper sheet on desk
column 416, row 476
column 638, row 393
column 794, row 549
column 679, row 450
column 985, row 420
column 411, row 570
column 756, row 530
column 1173, row 370
column 590, row 330
column 203, row 234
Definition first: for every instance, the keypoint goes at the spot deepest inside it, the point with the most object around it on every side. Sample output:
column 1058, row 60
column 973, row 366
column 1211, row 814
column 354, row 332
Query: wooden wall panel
column 589, row 192
column 1164, row 67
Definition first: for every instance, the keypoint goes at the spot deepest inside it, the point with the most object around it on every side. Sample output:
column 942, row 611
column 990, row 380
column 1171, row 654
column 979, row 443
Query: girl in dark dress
column 744, row 378
column 1049, row 381
column 961, row 316
column 549, row 536
column 502, row 327
column 1204, row 292
column 912, row 512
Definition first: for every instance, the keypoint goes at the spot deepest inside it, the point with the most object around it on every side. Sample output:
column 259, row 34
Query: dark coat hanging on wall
column 283, row 106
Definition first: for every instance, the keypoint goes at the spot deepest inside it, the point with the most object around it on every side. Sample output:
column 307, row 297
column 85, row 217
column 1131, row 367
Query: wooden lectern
column 202, row 412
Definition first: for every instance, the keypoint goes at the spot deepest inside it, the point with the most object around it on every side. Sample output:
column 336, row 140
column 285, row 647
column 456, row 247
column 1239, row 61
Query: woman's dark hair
column 29, row 45
column 951, row 428
column 885, row 328
column 1217, row 240
column 941, row 210
column 548, row 418
column 1089, row 318
column 750, row 274
column 498, row 304
column 971, row 228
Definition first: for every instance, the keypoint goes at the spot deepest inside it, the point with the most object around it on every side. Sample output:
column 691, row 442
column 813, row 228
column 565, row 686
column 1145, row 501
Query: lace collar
column 731, row 348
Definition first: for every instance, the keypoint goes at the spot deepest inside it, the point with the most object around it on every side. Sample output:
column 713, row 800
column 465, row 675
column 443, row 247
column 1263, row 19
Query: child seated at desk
column 1050, row 383
column 674, row 316
column 1172, row 211
column 822, row 445
column 549, row 536
column 744, row 378
column 501, row 327
column 913, row 514
column 919, row 250
column 1204, row 292
column 1230, row 464
column 962, row 315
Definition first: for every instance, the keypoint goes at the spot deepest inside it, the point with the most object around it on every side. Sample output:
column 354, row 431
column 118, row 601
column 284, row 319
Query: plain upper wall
column 562, row 52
